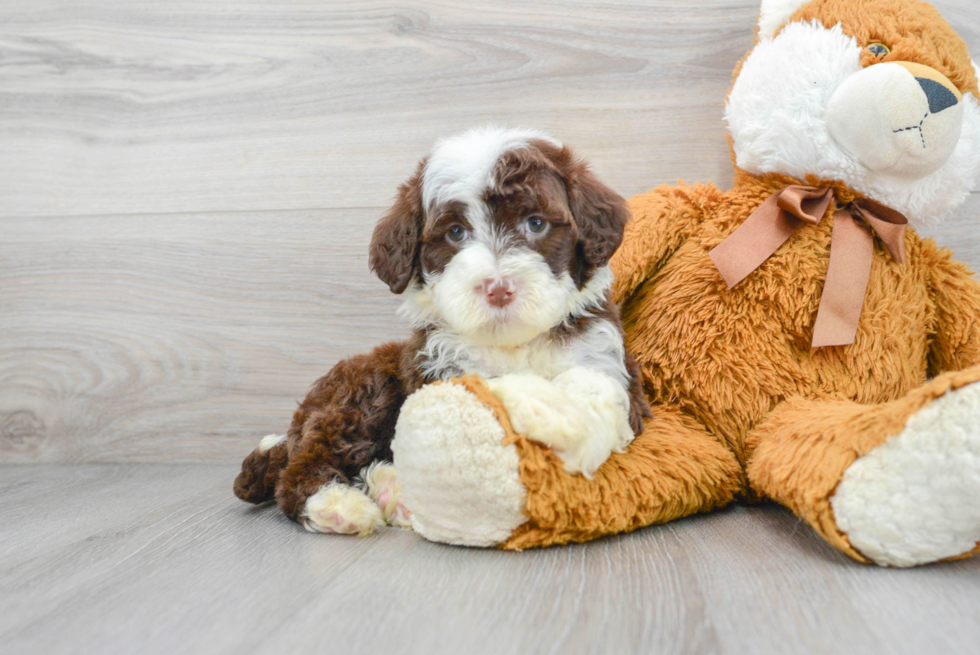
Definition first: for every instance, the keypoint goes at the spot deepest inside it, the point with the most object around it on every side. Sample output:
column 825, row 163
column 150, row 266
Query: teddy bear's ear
column 395, row 243
column 775, row 13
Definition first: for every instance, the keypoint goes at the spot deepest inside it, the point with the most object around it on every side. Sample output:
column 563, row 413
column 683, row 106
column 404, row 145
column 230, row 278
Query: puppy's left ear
column 600, row 213
column 395, row 243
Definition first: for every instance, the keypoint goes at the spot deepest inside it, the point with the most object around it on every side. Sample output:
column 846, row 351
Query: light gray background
column 187, row 191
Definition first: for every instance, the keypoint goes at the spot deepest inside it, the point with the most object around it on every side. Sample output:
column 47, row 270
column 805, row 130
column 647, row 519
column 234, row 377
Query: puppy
column 500, row 243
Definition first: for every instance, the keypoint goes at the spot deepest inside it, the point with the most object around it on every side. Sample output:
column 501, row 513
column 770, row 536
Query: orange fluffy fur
column 743, row 407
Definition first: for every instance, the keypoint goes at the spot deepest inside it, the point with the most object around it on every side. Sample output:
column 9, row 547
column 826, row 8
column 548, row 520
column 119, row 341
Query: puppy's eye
column 878, row 49
column 457, row 233
column 536, row 225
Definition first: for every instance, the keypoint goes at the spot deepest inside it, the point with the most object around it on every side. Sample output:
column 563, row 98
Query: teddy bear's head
column 878, row 94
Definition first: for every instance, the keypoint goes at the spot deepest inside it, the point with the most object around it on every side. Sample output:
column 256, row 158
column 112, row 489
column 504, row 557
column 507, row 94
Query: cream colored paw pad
column 341, row 509
column 916, row 498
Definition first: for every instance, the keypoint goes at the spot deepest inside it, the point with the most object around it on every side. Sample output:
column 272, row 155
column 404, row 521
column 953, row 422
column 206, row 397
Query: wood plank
column 45, row 510
column 140, row 336
column 187, row 337
column 110, row 107
column 961, row 232
column 205, row 573
column 177, row 338
column 117, row 107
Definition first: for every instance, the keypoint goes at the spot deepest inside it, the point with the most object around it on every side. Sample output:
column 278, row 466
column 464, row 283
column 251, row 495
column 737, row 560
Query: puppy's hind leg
column 346, row 422
column 315, row 491
column 261, row 469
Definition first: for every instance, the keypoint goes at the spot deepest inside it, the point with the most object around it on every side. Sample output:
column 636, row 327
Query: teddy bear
column 798, row 341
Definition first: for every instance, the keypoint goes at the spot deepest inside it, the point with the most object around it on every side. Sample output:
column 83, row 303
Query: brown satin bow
column 851, row 250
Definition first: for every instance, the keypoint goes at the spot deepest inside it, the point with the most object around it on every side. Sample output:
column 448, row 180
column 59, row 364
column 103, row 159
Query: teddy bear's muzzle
column 899, row 118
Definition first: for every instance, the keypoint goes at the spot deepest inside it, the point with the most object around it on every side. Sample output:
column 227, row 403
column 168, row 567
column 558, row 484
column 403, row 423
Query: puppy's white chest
column 600, row 347
column 540, row 357
column 544, row 360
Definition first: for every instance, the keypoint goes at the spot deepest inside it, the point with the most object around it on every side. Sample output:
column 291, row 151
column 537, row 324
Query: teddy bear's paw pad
column 381, row 481
column 341, row 509
column 461, row 481
column 916, row 498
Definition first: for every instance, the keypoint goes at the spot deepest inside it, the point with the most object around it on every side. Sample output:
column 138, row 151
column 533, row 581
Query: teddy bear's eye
column 878, row 49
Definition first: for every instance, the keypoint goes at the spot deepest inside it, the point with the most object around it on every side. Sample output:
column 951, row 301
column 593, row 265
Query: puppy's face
column 500, row 236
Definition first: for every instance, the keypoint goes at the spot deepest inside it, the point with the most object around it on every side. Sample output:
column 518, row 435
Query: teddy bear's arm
column 956, row 295
column 663, row 219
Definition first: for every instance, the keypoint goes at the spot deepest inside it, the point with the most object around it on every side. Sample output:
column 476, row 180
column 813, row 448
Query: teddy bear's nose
column 939, row 96
column 939, row 89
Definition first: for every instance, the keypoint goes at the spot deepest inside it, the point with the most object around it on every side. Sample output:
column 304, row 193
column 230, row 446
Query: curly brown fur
column 260, row 472
column 346, row 421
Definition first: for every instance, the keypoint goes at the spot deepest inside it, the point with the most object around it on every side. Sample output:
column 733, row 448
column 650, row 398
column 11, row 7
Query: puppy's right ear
column 395, row 243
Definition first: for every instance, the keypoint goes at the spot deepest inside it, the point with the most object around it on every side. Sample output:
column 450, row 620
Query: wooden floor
column 107, row 558
column 187, row 190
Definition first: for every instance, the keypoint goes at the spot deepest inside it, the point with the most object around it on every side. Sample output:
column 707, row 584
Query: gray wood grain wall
column 187, row 189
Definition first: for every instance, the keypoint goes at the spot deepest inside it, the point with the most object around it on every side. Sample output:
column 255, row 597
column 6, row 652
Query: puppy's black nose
column 939, row 96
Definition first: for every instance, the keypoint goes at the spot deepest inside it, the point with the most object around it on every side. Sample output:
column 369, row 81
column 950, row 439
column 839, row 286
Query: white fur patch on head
column 775, row 13
column 775, row 109
column 916, row 498
column 461, row 167
column 776, row 116
column 461, row 483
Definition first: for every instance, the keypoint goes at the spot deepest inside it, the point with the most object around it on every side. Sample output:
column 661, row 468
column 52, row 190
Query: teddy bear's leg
column 470, row 479
column 673, row 469
column 896, row 483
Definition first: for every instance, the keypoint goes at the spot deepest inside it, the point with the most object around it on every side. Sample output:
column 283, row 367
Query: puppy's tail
column 261, row 469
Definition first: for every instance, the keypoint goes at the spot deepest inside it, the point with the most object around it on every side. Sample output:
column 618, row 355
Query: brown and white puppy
column 500, row 244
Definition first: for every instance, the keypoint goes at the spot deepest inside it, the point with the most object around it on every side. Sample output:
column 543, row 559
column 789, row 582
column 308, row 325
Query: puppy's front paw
column 381, row 481
column 583, row 414
column 341, row 509
column 605, row 403
column 546, row 414
column 539, row 409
